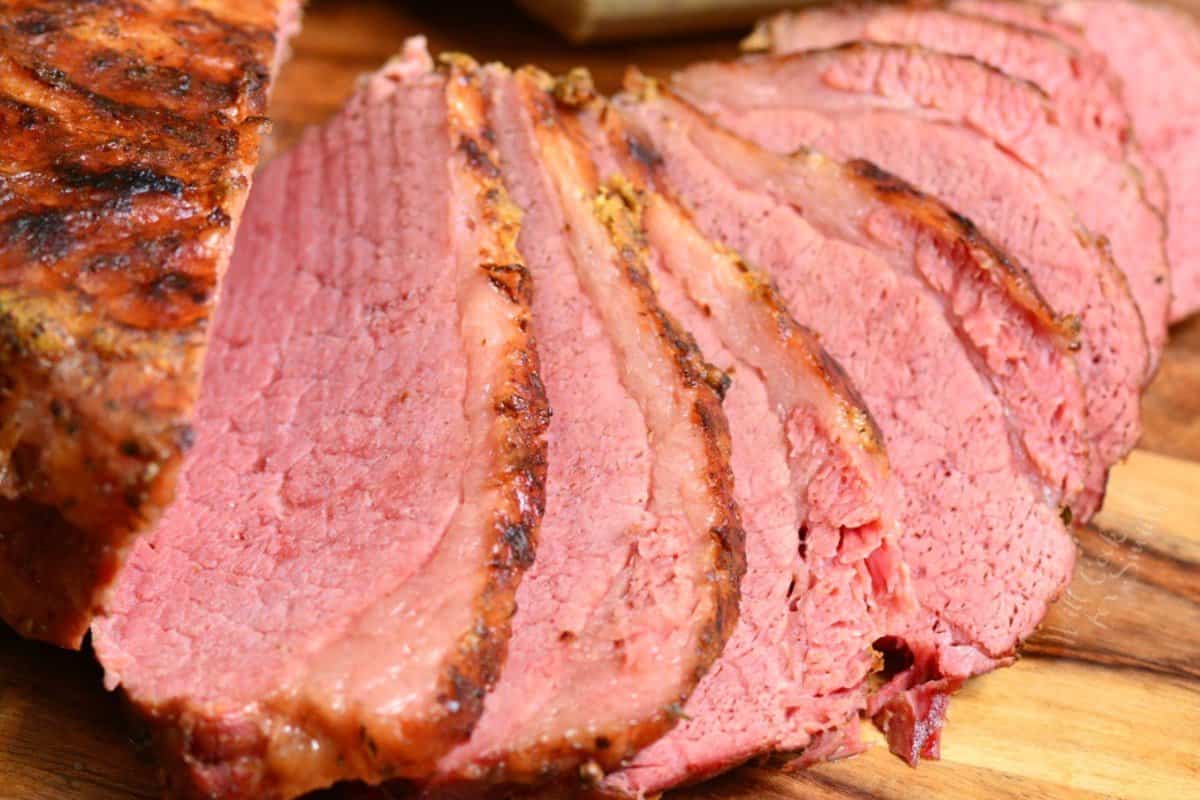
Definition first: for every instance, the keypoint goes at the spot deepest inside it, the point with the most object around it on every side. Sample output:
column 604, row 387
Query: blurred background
column 342, row 39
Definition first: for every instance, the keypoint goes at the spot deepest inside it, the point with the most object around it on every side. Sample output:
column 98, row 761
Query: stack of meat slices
column 555, row 442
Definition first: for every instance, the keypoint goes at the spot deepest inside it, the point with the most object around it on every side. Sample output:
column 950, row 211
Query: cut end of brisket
column 131, row 158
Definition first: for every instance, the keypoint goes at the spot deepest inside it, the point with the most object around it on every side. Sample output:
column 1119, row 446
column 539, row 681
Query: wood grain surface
column 1105, row 701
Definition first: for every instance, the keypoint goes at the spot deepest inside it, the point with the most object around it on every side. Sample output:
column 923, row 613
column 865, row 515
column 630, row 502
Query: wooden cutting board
column 1104, row 703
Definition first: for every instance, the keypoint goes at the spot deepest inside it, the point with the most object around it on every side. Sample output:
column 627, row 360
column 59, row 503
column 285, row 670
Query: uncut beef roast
column 979, row 525
column 1079, row 89
column 824, row 579
column 913, row 111
column 640, row 553
column 130, row 135
column 330, row 595
column 1154, row 51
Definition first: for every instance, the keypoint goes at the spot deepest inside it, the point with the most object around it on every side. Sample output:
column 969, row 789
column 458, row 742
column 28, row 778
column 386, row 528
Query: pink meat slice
column 634, row 590
column 1155, row 52
column 1078, row 81
column 824, row 579
column 986, row 549
column 329, row 596
column 912, row 111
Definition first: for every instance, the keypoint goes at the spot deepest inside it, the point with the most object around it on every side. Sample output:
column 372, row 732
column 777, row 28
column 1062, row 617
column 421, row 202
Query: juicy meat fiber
column 129, row 135
column 912, row 111
column 634, row 591
column 986, row 551
column 823, row 579
column 330, row 594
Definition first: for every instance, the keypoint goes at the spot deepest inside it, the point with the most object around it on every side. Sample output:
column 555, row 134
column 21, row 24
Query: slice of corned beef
column 329, row 596
column 1081, row 88
column 912, row 111
column 824, row 580
column 978, row 527
column 1155, row 52
column 635, row 587
column 129, row 134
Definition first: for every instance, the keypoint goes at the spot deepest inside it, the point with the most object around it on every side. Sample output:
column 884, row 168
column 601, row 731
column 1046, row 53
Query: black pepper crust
column 130, row 132
column 230, row 756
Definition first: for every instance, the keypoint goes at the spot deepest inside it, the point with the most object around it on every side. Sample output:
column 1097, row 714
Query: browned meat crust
column 130, row 131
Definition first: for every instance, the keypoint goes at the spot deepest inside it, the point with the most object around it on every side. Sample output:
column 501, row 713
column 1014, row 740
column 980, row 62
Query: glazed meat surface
column 130, row 135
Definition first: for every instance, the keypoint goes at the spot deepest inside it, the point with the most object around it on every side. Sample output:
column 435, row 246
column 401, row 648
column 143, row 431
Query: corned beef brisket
column 129, row 135
column 330, row 595
column 553, row 445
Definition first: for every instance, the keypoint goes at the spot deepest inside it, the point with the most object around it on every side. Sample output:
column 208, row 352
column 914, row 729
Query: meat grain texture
column 130, row 135
column 330, row 595
column 1154, row 51
column 1078, row 83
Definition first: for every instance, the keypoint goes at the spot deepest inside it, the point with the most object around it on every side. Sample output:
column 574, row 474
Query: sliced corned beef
column 913, row 111
column 1020, row 345
column 1079, row 84
column 329, row 596
column 985, row 546
column 1155, row 52
column 635, row 586
column 129, row 134
column 823, row 578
